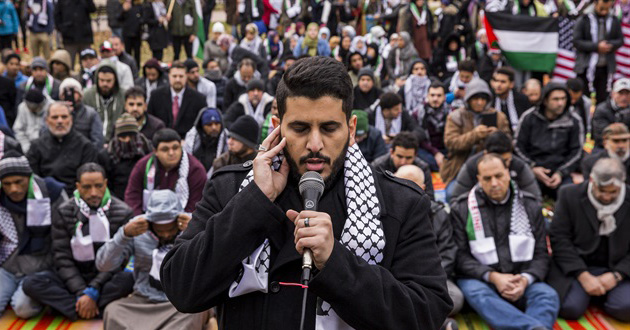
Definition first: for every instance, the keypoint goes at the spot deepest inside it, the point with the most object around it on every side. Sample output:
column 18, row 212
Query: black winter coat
column 574, row 234
column 49, row 156
column 132, row 22
column 72, row 19
column 227, row 227
column 589, row 161
column 605, row 115
column 384, row 163
column 158, row 36
column 75, row 274
column 496, row 223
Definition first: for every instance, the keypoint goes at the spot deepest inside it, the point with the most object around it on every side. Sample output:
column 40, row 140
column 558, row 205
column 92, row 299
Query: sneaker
column 26, row 50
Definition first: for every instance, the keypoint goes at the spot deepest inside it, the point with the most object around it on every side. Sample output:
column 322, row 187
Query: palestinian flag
column 528, row 43
column 200, row 34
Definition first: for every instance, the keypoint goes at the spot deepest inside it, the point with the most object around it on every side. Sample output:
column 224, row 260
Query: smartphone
column 68, row 95
column 489, row 119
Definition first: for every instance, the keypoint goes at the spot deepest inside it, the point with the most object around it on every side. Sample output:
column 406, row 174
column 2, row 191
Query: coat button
column 274, row 287
column 248, row 163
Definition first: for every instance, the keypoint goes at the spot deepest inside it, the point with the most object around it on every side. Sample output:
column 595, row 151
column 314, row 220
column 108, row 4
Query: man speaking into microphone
column 375, row 261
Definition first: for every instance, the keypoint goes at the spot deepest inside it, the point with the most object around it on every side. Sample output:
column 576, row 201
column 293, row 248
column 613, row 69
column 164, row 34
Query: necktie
column 175, row 108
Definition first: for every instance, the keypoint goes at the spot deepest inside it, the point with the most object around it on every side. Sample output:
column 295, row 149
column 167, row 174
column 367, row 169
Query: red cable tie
column 294, row 284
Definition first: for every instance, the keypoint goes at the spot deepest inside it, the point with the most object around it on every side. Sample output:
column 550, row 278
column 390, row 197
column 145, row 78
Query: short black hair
column 467, row 65
column 438, row 84
column 9, row 56
column 498, row 143
column 165, row 135
column 506, row 70
column 178, row 65
column 90, row 168
column 575, row 84
column 390, row 100
column 313, row 78
column 134, row 92
column 247, row 62
column 405, row 140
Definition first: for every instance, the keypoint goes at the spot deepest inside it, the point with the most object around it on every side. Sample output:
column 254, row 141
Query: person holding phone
column 550, row 137
column 467, row 128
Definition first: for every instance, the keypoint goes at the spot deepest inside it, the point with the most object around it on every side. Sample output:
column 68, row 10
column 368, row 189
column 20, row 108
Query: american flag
column 623, row 54
column 565, row 61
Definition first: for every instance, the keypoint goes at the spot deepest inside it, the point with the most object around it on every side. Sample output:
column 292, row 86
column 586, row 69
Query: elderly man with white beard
column 590, row 239
column 616, row 142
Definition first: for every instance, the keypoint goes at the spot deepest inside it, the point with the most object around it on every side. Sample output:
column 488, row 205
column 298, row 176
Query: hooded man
column 123, row 152
column 207, row 140
column 465, row 131
column 366, row 93
column 549, row 138
column 255, row 103
column 242, row 141
column 147, row 238
column 123, row 71
column 80, row 226
column 30, row 118
column 616, row 137
column 200, row 84
column 41, row 80
column 60, row 65
column 24, row 230
column 107, row 97
column 153, row 77
column 86, row 120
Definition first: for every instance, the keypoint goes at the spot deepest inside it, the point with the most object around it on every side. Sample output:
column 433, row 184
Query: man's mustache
column 314, row 155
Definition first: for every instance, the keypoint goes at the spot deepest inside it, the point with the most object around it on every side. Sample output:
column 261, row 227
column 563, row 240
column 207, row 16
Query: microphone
column 311, row 188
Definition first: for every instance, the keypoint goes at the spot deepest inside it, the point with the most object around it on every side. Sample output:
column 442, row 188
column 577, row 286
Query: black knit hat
column 245, row 129
column 34, row 96
column 14, row 164
column 255, row 84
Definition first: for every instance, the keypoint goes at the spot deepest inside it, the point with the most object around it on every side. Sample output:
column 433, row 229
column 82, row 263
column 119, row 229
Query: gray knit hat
column 11, row 165
column 164, row 207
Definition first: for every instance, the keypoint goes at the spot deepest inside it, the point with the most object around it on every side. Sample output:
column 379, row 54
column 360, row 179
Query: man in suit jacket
column 178, row 115
column 590, row 239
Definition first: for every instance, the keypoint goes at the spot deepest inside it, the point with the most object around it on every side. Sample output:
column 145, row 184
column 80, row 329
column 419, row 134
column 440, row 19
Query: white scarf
column 363, row 220
column 253, row 46
column 39, row 10
column 259, row 112
column 47, row 85
column 83, row 246
column 379, row 123
column 521, row 239
column 456, row 82
column 416, row 89
column 421, row 18
column 181, row 187
column 592, row 63
column 38, row 214
column 606, row 213
column 511, row 109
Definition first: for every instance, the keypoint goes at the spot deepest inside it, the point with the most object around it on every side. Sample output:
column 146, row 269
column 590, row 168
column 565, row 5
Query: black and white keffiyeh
column 362, row 234
column 511, row 109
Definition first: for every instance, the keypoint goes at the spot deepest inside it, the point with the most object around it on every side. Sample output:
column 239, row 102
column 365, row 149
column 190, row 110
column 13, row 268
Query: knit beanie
column 126, row 123
column 362, row 122
column 210, row 115
column 34, row 96
column 255, row 84
column 70, row 83
column 366, row 72
column 39, row 62
column 14, row 164
column 245, row 129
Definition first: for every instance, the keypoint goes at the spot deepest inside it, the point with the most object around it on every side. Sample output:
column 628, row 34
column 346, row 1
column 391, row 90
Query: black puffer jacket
column 555, row 145
column 79, row 275
column 605, row 114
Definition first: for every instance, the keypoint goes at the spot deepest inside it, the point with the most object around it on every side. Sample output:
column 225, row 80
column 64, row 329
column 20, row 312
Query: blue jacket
column 36, row 27
column 9, row 17
column 323, row 49
column 19, row 79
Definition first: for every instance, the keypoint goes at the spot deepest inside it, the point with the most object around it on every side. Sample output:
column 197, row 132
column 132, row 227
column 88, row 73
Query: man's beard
column 335, row 169
column 621, row 158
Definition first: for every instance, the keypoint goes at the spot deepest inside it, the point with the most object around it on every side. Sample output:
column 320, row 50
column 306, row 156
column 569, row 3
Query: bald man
column 444, row 233
column 532, row 89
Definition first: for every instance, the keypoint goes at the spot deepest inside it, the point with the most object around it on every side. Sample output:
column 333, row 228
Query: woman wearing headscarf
column 375, row 61
column 358, row 45
column 311, row 45
column 252, row 41
column 401, row 58
column 274, row 49
column 340, row 53
column 416, row 87
column 324, row 33
column 446, row 59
